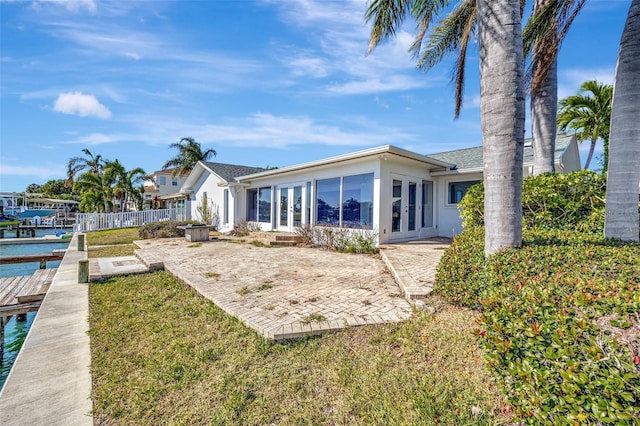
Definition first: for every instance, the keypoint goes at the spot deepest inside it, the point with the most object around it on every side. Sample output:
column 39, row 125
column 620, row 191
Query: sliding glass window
column 328, row 202
column 357, row 201
column 264, row 205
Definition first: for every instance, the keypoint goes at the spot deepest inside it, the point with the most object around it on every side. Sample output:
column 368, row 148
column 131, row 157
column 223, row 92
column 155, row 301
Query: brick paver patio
column 284, row 292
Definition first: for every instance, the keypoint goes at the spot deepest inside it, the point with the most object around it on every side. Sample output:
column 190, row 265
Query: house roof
column 167, row 172
column 471, row 158
column 380, row 150
column 226, row 172
column 229, row 172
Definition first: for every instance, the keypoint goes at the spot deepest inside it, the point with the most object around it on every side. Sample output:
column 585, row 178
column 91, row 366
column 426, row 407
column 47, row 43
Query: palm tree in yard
column 96, row 192
column 189, row 153
column 623, row 176
column 542, row 37
column 502, row 104
column 91, row 162
column 126, row 183
column 589, row 114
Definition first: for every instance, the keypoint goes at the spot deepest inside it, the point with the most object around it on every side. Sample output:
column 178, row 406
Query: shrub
column 560, row 322
column 244, row 228
column 347, row 240
column 572, row 201
column 167, row 229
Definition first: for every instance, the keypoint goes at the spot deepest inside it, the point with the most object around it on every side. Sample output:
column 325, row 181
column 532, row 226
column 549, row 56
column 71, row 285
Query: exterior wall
column 406, row 171
column 215, row 195
column 570, row 159
column 301, row 177
column 449, row 221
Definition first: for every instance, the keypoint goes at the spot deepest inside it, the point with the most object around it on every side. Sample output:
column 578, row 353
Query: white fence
column 98, row 221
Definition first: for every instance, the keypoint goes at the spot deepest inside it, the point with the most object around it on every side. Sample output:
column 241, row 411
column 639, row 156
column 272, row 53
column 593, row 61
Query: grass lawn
column 112, row 242
column 162, row 354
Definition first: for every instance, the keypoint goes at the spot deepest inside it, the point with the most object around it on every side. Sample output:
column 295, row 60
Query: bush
column 572, row 201
column 167, row 229
column 346, row 240
column 244, row 228
column 560, row 322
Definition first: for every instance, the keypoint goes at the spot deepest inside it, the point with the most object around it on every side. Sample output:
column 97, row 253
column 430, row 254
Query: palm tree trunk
column 623, row 175
column 544, row 110
column 592, row 148
column 502, row 110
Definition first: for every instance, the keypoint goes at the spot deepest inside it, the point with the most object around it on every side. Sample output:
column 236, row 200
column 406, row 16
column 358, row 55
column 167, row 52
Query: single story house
column 399, row 194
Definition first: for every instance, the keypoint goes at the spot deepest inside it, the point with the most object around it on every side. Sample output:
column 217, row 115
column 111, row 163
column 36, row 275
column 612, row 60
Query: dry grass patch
column 162, row 354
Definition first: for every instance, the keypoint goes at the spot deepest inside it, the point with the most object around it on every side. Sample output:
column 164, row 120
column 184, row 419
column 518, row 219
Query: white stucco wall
column 208, row 183
column 449, row 220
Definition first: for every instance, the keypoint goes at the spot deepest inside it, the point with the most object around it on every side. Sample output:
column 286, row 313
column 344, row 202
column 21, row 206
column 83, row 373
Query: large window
column 346, row 201
column 458, row 189
column 259, row 205
column 174, row 181
column 357, row 201
column 328, row 201
column 162, row 180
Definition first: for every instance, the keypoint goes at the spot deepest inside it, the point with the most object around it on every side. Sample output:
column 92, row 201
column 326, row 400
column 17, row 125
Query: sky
column 264, row 82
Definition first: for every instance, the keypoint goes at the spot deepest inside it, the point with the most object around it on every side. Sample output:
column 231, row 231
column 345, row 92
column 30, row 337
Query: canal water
column 16, row 332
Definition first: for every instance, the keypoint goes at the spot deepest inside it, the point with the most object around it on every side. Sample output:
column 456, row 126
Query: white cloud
column 393, row 83
column 569, row 80
column 21, row 170
column 77, row 103
column 132, row 55
column 306, row 66
column 74, row 5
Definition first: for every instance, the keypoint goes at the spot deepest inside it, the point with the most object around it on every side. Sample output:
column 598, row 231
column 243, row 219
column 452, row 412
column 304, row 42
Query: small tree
column 207, row 212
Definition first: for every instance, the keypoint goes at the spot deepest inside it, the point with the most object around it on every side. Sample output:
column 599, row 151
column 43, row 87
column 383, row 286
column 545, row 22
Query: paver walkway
column 284, row 292
column 289, row 292
column 414, row 264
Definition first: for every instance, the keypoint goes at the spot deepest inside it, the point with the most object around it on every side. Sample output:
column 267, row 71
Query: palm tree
column 542, row 37
column 502, row 105
column 189, row 153
column 92, row 162
column 623, row 176
column 589, row 114
column 96, row 192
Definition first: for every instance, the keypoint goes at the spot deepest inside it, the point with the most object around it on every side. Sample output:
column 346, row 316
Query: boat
column 34, row 206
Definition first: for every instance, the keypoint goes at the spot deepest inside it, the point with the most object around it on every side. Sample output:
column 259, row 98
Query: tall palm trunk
column 592, row 149
column 544, row 107
column 623, row 175
column 502, row 109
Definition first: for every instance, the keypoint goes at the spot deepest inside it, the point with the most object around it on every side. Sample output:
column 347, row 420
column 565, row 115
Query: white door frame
column 406, row 213
column 286, row 220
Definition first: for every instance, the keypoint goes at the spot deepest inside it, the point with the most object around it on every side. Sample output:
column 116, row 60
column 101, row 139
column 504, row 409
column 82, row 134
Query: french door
column 411, row 207
column 290, row 207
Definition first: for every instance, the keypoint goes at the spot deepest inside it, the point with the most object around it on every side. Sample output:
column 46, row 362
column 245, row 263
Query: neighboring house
column 399, row 194
column 163, row 190
column 216, row 183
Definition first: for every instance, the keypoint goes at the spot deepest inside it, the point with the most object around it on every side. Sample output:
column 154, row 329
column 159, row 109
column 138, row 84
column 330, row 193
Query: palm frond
column 387, row 16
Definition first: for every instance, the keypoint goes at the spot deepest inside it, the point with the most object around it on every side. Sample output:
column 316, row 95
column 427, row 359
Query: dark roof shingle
column 229, row 172
column 471, row 158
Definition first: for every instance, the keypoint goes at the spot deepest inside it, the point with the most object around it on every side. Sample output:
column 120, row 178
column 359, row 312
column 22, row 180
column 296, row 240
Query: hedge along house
column 398, row 194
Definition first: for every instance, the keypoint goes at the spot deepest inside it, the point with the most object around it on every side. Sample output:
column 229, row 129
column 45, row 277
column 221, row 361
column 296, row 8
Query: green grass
column 112, row 251
column 162, row 354
column 113, row 236
column 112, row 242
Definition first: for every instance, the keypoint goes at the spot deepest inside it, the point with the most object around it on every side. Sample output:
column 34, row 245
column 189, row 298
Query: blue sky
column 264, row 83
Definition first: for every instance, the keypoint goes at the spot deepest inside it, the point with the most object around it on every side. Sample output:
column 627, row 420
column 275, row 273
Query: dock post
column 21, row 317
column 43, row 264
column 81, row 242
column 83, row 271
column 2, row 323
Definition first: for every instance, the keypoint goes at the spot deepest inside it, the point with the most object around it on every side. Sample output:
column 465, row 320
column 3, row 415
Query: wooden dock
column 22, row 294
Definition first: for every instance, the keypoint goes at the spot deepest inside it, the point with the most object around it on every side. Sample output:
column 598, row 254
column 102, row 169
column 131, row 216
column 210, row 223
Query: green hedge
column 572, row 201
column 560, row 322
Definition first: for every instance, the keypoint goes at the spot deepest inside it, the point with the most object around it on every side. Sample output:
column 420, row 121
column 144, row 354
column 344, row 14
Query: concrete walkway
column 50, row 383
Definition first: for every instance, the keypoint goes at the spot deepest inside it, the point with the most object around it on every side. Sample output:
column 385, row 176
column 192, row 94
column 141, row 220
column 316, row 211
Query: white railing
column 97, row 221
